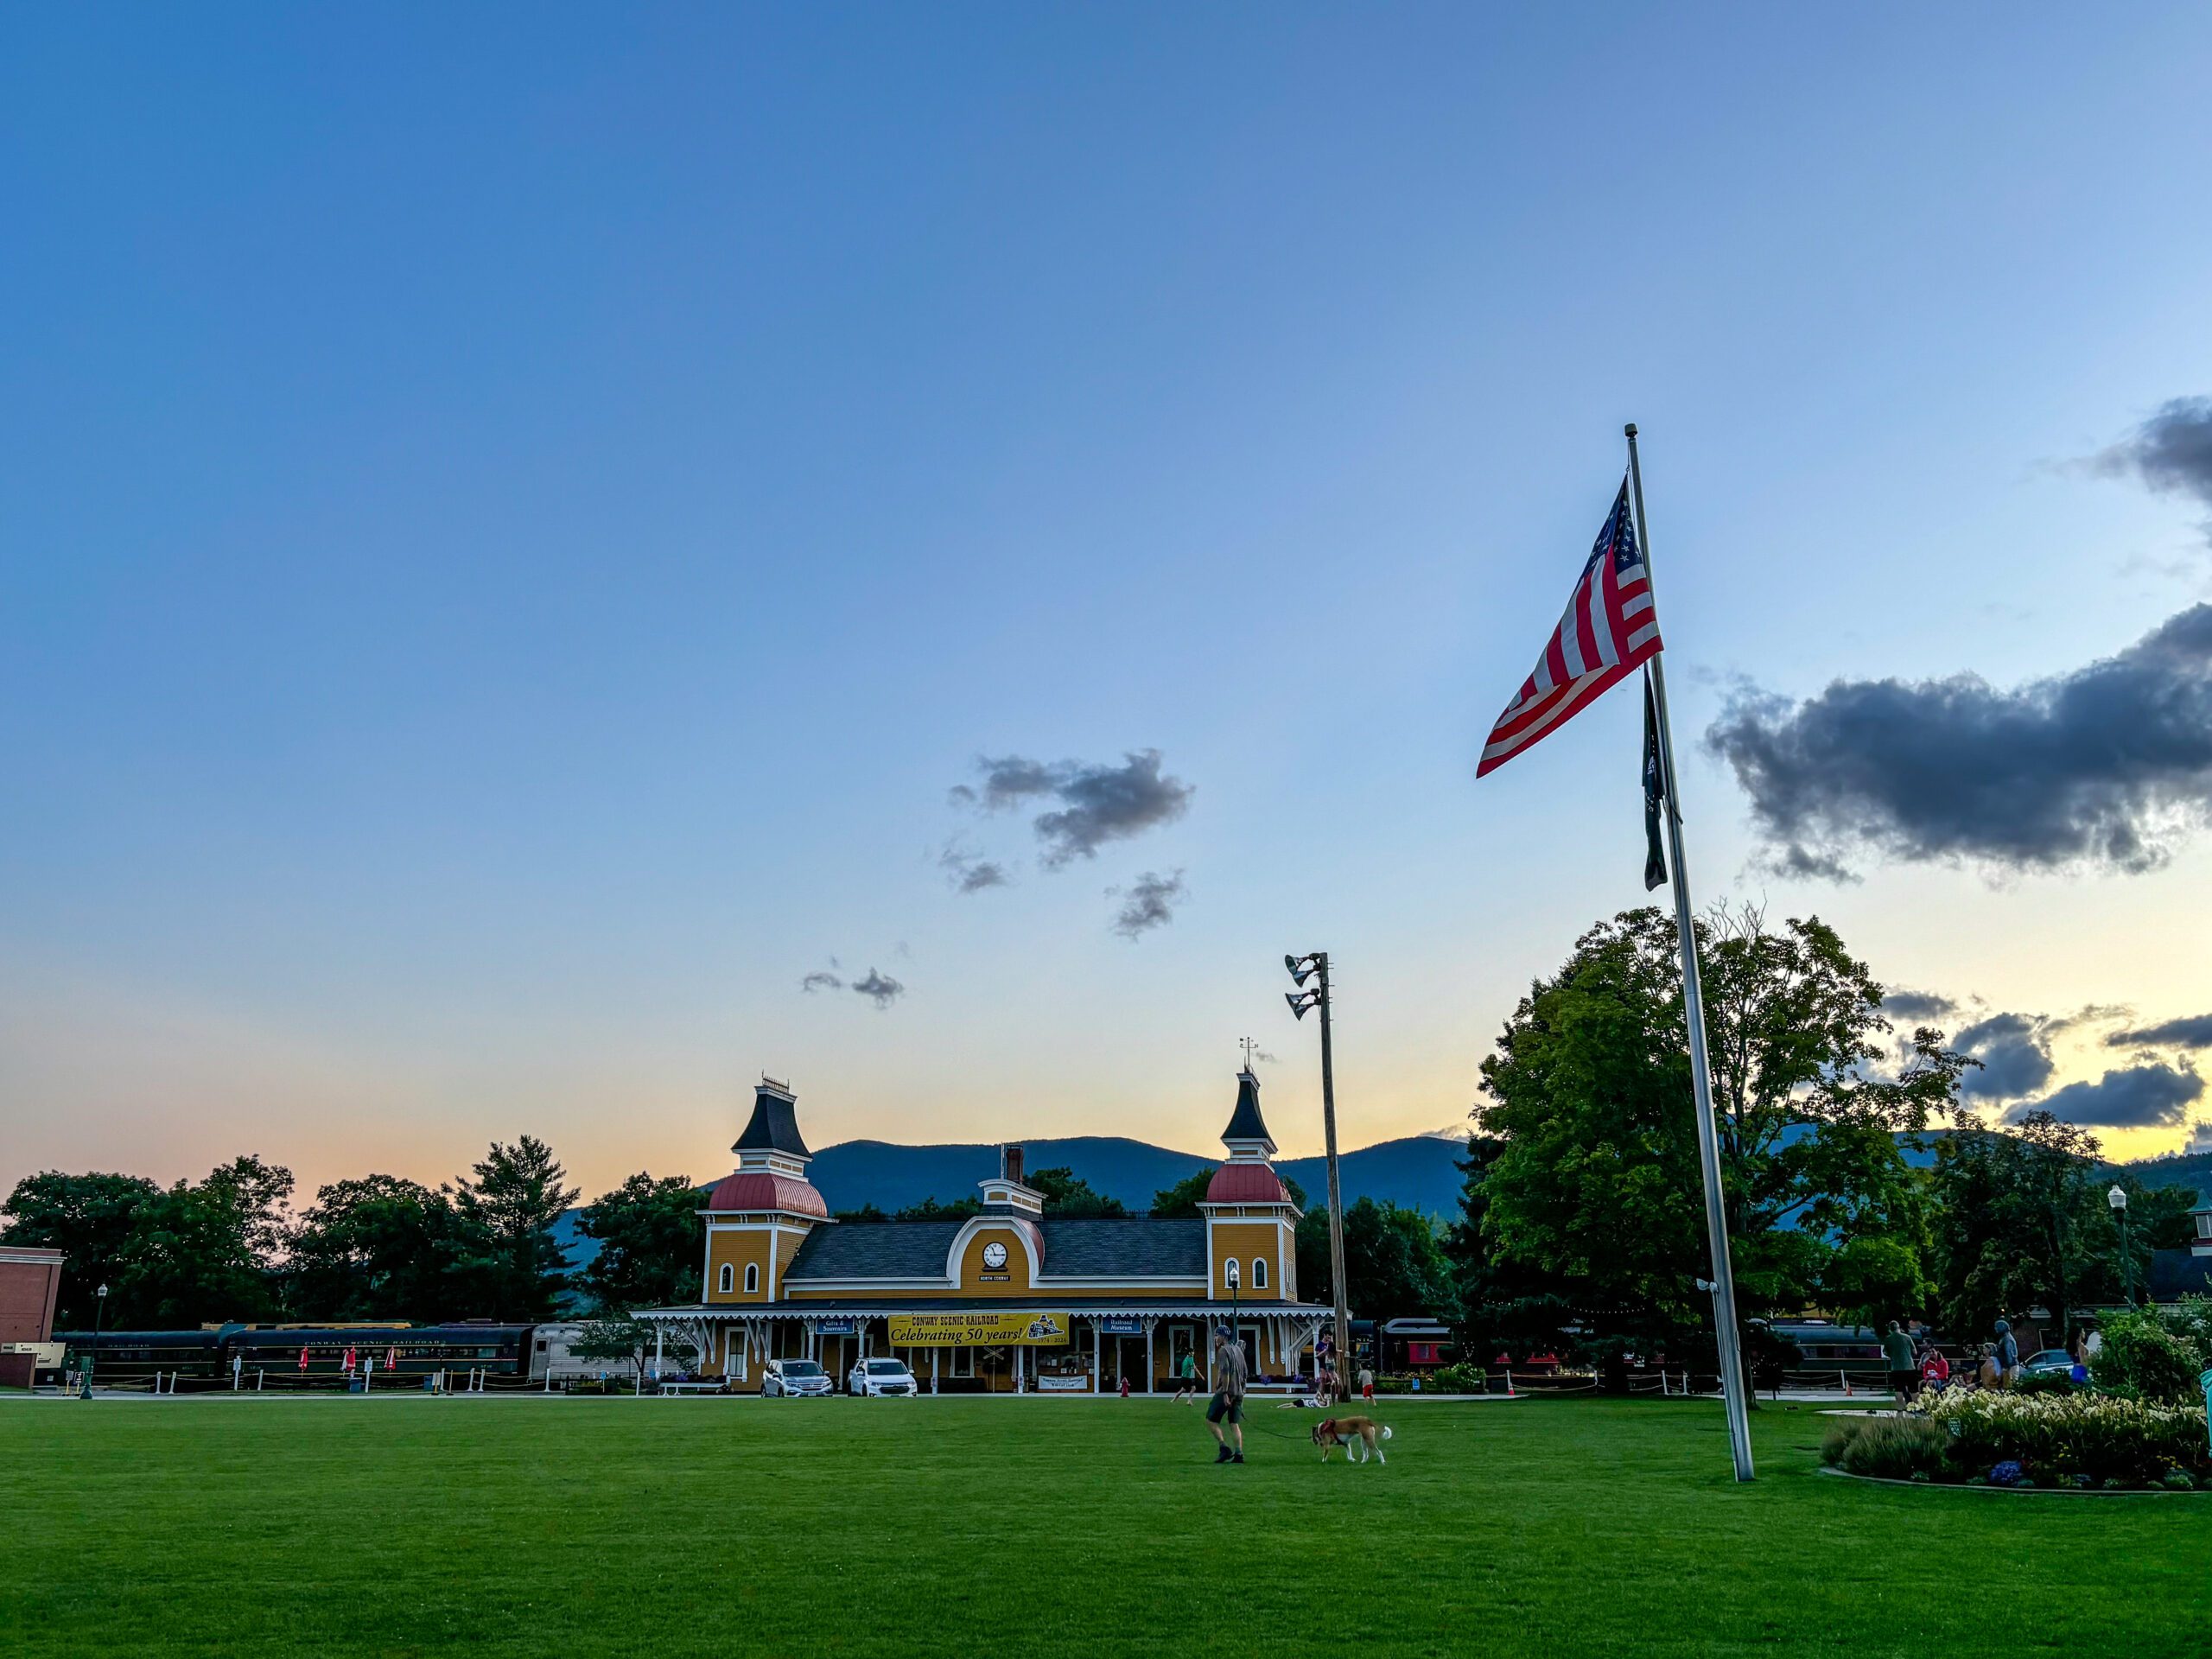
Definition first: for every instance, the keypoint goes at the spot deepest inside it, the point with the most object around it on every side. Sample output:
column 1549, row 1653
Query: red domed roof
column 1246, row 1184
column 756, row 1189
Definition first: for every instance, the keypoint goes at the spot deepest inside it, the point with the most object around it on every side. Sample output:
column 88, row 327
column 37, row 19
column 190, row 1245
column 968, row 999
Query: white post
column 1708, row 1140
column 1097, row 1360
column 1148, row 1356
column 260, row 1375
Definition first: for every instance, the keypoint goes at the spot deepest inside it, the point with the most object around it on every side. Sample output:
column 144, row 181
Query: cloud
column 1097, row 803
column 2190, row 1031
column 2141, row 1097
column 821, row 982
column 2106, row 765
column 1151, row 903
column 971, row 872
column 2014, row 1049
column 1917, row 1005
column 880, row 988
column 2171, row 452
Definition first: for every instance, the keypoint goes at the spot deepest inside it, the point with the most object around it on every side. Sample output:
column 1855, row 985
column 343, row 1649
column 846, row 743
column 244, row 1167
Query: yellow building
column 1008, row 1299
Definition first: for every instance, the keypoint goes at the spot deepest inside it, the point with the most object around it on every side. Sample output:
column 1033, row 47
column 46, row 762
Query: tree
column 1069, row 1196
column 2022, row 1217
column 512, row 1203
column 933, row 1210
column 1505, row 1306
column 624, row 1338
column 378, row 1248
column 1394, row 1266
column 1183, row 1197
column 206, row 1254
column 88, row 1218
column 648, row 1233
column 1598, row 1184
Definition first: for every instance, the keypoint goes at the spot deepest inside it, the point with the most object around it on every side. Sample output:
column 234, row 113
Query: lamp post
column 2117, row 1199
column 1235, row 1281
column 1315, row 967
column 99, row 1317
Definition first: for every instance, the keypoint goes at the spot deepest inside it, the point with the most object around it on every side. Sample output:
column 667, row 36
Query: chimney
column 1010, row 1162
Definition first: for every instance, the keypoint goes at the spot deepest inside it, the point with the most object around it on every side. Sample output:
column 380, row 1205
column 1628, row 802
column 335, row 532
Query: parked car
column 2050, row 1361
column 874, row 1377
column 786, row 1378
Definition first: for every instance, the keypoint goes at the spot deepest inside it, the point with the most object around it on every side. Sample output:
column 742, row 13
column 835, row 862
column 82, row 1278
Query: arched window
column 1259, row 1273
column 752, row 1278
column 728, row 1281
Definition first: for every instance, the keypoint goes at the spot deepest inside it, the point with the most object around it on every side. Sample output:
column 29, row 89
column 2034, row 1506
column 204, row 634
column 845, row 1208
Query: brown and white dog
column 1355, row 1434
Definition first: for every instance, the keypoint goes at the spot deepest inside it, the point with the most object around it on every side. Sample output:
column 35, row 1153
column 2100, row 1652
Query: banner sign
column 1076, row 1384
column 1022, row 1329
column 1121, row 1327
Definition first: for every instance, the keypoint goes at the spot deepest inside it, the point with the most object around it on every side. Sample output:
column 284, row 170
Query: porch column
column 657, row 1337
column 1097, row 1360
column 1148, row 1372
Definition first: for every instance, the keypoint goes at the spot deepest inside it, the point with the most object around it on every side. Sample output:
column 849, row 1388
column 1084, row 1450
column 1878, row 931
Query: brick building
column 29, row 1281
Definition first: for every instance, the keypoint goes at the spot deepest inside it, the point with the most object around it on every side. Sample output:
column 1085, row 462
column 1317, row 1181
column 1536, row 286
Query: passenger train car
column 290, row 1354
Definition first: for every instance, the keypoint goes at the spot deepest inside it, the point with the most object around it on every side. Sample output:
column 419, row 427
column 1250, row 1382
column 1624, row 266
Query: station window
column 963, row 1362
column 1259, row 1273
column 752, row 1278
column 728, row 1282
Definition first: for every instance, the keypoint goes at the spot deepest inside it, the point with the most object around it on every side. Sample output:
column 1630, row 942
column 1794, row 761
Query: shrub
column 1393, row 1385
column 2044, row 1385
column 2147, row 1357
column 2079, row 1433
column 1459, row 1379
column 1888, row 1448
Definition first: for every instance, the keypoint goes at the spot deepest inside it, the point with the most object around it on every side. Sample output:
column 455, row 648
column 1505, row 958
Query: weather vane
column 1250, row 1049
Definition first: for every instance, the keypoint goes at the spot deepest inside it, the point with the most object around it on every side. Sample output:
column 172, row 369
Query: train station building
column 1008, row 1300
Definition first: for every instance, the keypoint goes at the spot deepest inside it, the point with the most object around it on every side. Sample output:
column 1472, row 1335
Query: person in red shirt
column 1935, row 1369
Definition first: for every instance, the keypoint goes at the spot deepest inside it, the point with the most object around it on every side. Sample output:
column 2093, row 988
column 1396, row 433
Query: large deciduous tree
column 648, row 1233
column 1596, row 1185
column 89, row 1219
column 380, row 1247
column 1068, row 1196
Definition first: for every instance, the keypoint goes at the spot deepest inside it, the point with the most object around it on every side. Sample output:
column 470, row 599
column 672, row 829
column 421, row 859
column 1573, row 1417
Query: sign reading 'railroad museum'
column 1020, row 1330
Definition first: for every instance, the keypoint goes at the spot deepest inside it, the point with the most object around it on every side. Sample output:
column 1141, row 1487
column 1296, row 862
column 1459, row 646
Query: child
column 1366, row 1383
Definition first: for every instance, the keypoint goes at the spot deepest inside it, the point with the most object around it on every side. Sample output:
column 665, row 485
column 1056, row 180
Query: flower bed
column 2002, row 1438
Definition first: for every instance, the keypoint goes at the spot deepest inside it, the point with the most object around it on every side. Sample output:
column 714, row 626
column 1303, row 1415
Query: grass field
column 555, row 1527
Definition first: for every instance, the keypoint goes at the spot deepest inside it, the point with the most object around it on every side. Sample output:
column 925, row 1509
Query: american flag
column 1608, row 631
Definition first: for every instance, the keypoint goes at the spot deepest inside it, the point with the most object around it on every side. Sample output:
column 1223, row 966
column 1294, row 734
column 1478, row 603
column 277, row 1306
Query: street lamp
column 2117, row 1199
column 99, row 1315
column 1235, row 1280
column 1315, row 967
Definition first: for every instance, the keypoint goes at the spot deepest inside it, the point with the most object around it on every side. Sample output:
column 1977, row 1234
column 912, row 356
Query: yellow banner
column 1024, row 1329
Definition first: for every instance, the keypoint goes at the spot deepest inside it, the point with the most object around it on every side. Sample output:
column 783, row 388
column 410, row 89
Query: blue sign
column 839, row 1327
column 1121, row 1327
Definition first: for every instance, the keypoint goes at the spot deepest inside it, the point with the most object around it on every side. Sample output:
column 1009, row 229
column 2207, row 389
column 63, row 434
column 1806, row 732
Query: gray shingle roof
column 1138, row 1247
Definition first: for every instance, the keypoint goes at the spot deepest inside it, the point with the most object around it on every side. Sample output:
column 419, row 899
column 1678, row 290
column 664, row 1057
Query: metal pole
column 1336, row 1183
column 1708, row 1140
column 2126, row 1257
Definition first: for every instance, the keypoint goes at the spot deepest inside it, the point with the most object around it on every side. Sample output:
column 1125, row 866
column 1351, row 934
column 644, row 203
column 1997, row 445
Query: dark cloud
column 821, row 982
column 880, row 988
column 2171, row 451
column 1917, row 1005
column 1151, row 903
column 2190, row 1031
column 2014, row 1049
column 971, row 872
column 1097, row 803
column 2105, row 764
column 2141, row 1097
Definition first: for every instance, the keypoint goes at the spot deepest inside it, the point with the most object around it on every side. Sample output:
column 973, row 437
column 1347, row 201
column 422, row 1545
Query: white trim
column 976, row 1224
column 753, row 1279
column 725, row 1281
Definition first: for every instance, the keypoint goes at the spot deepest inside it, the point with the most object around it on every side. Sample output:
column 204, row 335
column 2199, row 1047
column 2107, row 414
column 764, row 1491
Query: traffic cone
column 1509, row 1386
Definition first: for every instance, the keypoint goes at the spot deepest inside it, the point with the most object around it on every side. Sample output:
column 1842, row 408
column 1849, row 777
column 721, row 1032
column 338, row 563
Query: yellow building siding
column 1268, row 1241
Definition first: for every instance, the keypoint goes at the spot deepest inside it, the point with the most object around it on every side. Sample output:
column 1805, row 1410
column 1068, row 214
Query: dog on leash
column 1360, row 1435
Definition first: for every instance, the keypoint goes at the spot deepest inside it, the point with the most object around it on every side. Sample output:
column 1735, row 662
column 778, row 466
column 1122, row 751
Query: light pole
column 99, row 1316
column 1315, row 967
column 1235, row 1280
column 2117, row 1199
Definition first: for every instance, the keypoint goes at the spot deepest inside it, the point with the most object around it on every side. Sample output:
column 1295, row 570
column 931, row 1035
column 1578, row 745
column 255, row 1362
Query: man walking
column 1229, row 1378
column 1904, row 1370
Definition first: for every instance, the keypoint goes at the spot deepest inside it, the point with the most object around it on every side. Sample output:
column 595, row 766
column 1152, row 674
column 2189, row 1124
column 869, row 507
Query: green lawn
column 556, row 1527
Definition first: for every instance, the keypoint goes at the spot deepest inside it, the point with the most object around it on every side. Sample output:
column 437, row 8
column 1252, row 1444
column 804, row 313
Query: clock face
column 994, row 1257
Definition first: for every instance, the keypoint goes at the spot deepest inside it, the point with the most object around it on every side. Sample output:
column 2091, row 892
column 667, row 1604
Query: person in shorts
column 1903, row 1365
column 1366, row 1384
column 1186, row 1379
column 1228, row 1404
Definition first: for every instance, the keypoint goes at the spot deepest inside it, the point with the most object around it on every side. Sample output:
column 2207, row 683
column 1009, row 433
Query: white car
column 786, row 1378
column 873, row 1378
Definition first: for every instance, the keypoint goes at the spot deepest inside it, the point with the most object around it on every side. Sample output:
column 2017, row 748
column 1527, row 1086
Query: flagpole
column 1732, row 1385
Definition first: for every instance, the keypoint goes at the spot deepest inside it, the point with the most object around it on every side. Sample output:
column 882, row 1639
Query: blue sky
column 511, row 523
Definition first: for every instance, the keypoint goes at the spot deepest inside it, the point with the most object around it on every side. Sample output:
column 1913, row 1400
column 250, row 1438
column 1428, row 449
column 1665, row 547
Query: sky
column 553, row 561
